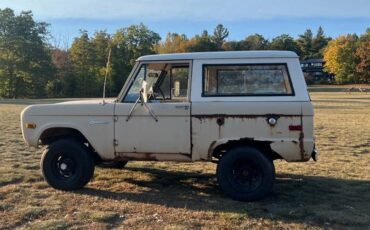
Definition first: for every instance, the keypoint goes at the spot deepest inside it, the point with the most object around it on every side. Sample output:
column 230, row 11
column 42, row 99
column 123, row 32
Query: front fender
column 99, row 135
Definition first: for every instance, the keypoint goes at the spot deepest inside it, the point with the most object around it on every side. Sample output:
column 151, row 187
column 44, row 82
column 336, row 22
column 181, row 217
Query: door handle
column 186, row 107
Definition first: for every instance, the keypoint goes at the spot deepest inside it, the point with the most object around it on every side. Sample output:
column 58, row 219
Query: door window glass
column 165, row 83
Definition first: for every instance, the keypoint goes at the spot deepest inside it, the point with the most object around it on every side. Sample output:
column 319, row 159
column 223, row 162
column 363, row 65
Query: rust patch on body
column 301, row 140
column 301, row 145
column 210, row 150
column 248, row 116
column 153, row 156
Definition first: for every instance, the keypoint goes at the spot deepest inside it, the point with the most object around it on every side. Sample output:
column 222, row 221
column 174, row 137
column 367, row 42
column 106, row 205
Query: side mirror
column 143, row 93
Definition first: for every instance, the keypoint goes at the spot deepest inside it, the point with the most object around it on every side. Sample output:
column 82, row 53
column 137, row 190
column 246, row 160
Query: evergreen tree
column 25, row 58
column 305, row 44
column 82, row 59
column 219, row 35
column 312, row 46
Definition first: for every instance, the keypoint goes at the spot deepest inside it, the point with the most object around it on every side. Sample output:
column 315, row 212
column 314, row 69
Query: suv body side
column 189, row 130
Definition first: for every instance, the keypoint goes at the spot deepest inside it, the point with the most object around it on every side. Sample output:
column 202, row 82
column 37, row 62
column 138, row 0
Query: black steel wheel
column 245, row 174
column 67, row 164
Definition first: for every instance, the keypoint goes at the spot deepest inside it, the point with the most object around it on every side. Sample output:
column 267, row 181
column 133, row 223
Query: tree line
column 30, row 66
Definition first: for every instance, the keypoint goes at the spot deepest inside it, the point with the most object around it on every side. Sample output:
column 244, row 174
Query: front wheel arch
column 50, row 135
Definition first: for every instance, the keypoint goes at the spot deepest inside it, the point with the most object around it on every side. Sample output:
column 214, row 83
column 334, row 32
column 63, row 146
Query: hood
column 94, row 107
column 92, row 101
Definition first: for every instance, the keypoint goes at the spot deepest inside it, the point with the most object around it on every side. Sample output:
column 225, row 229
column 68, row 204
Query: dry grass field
column 331, row 193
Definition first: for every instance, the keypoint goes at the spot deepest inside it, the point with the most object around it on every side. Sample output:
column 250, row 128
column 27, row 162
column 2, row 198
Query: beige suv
column 241, row 110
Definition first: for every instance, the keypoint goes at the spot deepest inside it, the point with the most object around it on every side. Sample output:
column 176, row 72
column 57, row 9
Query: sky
column 242, row 17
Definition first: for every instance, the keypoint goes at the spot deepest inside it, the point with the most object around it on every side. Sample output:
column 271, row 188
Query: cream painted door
column 162, row 125
column 143, row 134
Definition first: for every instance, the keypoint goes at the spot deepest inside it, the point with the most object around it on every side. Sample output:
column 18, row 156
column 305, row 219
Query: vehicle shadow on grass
column 313, row 200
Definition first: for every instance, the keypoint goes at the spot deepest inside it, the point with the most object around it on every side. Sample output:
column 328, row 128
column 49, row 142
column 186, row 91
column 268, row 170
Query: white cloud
column 222, row 10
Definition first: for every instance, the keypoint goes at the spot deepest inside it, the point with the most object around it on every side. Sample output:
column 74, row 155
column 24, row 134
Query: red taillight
column 295, row 127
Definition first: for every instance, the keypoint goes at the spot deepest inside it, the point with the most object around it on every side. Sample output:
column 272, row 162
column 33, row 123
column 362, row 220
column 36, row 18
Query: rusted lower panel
column 247, row 116
column 153, row 157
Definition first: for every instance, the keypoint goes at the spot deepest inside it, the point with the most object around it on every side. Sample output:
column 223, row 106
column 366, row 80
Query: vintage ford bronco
column 241, row 110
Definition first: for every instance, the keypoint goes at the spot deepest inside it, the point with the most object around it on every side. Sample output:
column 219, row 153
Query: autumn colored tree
column 202, row 43
column 363, row 54
column 31, row 67
column 63, row 83
column 341, row 60
column 174, row 43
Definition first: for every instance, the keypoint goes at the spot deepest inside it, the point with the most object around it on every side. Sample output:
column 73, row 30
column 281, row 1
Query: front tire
column 245, row 174
column 67, row 165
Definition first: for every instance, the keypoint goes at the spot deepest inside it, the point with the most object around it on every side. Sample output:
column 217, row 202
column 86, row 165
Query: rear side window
column 246, row 80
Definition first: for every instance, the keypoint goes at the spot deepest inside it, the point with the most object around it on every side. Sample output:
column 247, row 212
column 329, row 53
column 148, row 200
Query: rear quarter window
column 246, row 80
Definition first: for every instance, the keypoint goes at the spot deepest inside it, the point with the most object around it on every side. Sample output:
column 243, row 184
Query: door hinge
column 115, row 142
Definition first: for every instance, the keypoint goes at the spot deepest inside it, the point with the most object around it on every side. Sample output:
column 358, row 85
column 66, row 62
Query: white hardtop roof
column 220, row 55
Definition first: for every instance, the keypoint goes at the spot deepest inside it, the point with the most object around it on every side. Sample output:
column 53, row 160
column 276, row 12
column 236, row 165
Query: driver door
column 162, row 125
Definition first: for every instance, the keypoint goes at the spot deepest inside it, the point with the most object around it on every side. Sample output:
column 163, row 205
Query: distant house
column 313, row 70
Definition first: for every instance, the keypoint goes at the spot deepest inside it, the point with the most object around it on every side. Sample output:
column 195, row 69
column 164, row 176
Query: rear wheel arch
column 218, row 150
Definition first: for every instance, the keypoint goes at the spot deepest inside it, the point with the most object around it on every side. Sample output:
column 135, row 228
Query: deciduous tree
column 202, row 43
column 128, row 44
column 284, row 42
column 340, row 59
column 174, row 43
column 256, row 42
column 363, row 54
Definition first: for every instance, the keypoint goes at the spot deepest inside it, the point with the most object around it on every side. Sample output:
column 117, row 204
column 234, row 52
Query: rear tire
column 67, row 164
column 245, row 174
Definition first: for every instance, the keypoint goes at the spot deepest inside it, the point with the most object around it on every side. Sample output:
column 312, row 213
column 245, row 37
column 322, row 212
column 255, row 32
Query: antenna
column 106, row 74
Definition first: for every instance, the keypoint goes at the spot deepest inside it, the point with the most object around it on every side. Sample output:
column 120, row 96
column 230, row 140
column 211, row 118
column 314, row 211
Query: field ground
column 340, row 88
column 331, row 193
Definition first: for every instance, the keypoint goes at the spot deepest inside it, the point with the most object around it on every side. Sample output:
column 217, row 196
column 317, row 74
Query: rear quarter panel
column 246, row 117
